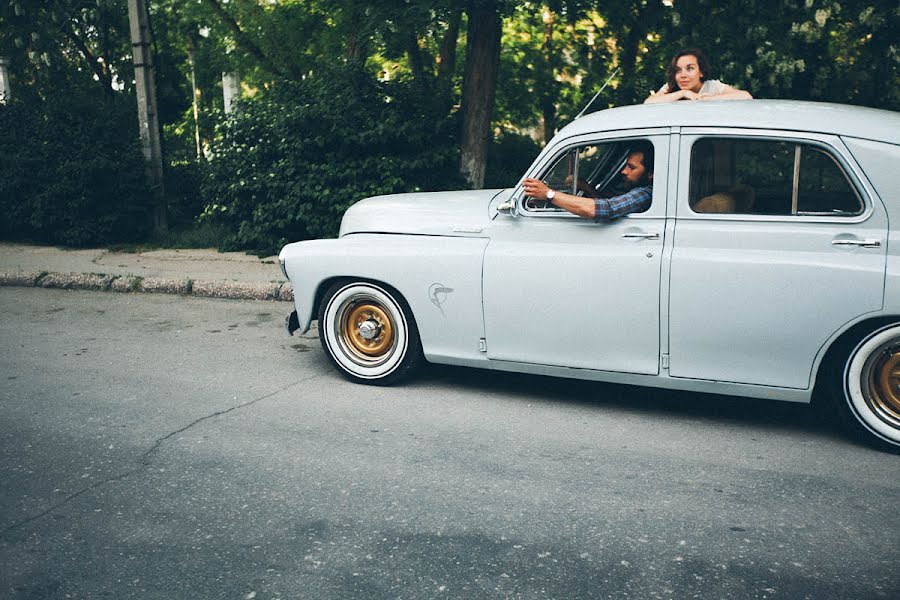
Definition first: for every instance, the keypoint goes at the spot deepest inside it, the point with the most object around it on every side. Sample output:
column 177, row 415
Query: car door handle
column 645, row 236
column 863, row 243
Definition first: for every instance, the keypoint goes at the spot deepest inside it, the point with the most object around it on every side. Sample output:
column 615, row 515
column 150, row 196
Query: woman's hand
column 672, row 97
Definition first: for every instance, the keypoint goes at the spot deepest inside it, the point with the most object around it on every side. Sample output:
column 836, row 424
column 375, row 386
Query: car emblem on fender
column 438, row 292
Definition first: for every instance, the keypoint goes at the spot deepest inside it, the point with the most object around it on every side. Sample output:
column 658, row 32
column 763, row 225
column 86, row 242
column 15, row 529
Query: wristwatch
column 551, row 194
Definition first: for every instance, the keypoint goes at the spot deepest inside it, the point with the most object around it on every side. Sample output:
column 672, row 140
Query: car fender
column 439, row 277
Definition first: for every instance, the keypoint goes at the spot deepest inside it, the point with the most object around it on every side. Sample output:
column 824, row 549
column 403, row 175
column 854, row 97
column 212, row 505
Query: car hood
column 463, row 213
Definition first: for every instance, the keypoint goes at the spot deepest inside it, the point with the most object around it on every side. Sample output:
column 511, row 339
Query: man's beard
column 630, row 185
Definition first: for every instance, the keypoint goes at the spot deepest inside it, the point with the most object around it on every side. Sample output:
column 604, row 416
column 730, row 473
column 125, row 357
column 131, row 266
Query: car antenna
column 597, row 94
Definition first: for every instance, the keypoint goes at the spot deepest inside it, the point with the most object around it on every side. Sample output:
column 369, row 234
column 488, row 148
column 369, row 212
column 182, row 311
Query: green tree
column 55, row 43
column 292, row 160
column 495, row 74
column 554, row 59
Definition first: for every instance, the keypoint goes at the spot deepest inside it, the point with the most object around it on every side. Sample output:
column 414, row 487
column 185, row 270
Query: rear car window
column 769, row 177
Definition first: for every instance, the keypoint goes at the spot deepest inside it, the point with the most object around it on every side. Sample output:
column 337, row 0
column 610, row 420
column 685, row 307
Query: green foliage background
column 291, row 161
column 344, row 99
column 68, row 176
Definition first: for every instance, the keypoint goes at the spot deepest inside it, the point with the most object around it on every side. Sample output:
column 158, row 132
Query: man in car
column 637, row 175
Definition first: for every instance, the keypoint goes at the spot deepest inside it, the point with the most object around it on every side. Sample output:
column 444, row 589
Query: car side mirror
column 508, row 207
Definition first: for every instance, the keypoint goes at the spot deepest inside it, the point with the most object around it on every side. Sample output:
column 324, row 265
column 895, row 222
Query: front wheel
column 368, row 332
column 869, row 398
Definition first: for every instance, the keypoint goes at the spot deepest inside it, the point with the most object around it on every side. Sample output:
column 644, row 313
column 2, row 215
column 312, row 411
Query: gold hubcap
column 884, row 384
column 368, row 330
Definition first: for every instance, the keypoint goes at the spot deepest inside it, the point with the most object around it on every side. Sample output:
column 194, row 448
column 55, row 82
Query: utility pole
column 5, row 91
column 194, row 93
column 148, row 115
column 231, row 90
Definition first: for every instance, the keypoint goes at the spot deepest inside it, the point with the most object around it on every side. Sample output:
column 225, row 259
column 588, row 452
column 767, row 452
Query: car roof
column 794, row 115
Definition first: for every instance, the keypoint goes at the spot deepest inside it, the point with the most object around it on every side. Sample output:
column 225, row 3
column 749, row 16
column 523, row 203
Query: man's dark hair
column 702, row 63
column 646, row 148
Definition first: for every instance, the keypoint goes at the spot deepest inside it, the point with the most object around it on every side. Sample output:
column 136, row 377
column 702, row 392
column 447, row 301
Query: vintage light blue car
column 765, row 267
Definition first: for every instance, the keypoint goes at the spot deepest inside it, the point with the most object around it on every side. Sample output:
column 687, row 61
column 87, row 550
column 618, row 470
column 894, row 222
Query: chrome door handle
column 645, row 236
column 863, row 243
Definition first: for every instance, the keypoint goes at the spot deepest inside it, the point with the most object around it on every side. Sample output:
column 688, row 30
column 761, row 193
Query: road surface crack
column 146, row 456
column 145, row 459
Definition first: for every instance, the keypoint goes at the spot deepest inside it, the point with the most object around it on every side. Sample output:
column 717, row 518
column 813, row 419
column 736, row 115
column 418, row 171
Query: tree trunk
column 98, row 69
column 479, row 88
column 356, row 38
column 548, row 94
column 626, row 90
column 243, row 40
column 644, row 21
column 447, row 59
column 421, row 77
column 447, row 55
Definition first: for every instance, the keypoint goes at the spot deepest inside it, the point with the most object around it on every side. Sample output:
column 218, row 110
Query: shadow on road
column 716, row 408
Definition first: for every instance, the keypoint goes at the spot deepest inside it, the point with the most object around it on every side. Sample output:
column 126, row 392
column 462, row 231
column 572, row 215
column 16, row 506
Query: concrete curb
column 236, row 289
column 232, row 290
column 76, row 281
column 20, row 278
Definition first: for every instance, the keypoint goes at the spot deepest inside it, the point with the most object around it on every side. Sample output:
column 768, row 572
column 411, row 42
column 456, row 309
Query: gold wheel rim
column 367, row 329
column 884, row 385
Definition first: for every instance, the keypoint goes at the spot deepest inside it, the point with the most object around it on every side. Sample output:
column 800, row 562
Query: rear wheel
column 868, row 397
column 368, row 332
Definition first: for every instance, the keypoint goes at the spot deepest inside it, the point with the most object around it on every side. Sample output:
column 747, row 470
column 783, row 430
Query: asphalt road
column 168, row 447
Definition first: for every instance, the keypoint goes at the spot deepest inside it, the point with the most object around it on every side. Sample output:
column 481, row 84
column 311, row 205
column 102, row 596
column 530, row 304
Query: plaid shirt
column 634, row 200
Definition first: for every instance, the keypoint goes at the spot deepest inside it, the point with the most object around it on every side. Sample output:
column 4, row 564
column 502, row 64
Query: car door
column 777, row 245
column 565, row 291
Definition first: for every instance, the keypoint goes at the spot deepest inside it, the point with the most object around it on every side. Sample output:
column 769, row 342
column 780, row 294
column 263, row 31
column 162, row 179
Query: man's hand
column 536, row 188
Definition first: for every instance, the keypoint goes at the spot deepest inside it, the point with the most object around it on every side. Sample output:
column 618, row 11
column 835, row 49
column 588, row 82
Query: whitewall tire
column 368, row 332
column 871, row 387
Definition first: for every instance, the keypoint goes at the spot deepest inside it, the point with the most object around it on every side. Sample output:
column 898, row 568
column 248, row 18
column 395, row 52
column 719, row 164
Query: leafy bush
column 509, row 155
column 183, row 178
column 70, row 172
column 291, row 160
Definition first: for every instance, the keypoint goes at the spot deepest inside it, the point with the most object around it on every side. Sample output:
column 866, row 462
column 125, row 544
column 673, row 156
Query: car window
column 768, row 177
column 591, row 170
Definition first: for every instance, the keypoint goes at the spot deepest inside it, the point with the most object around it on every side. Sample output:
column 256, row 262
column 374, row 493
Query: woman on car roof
column 688, row 80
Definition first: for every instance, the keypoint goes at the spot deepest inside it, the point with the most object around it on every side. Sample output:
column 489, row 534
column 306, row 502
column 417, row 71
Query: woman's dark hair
column 702, row 62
